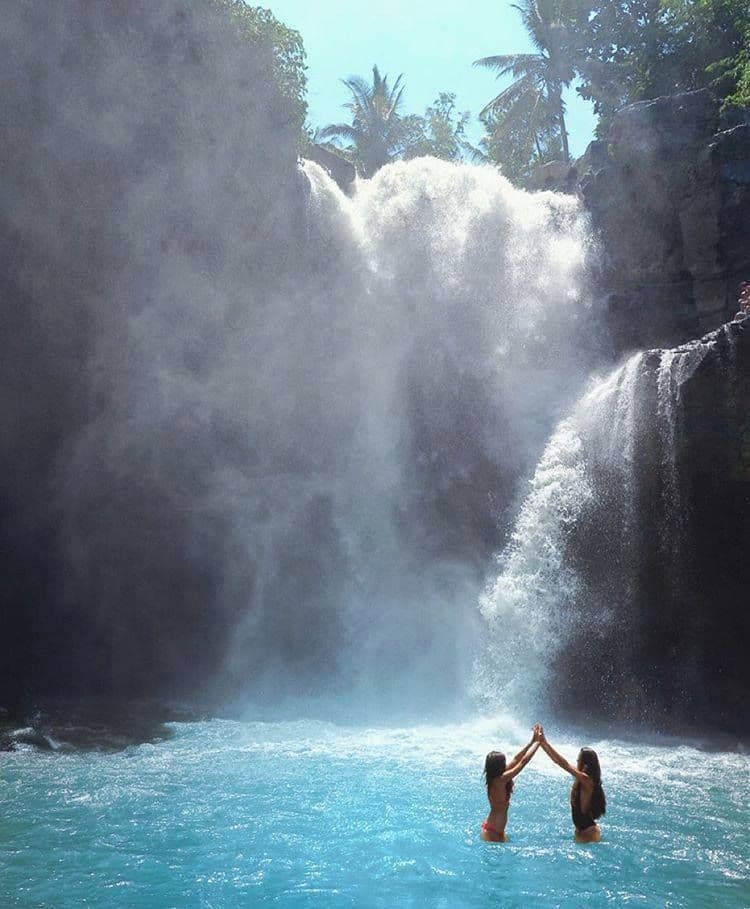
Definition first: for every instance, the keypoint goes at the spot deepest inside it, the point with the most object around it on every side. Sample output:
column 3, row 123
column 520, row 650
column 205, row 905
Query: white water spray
column 530, row 608
column 612, row 458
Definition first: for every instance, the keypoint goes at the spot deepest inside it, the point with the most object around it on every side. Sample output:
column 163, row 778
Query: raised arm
column 515, row 769
column 561, row 762
column 522, row 752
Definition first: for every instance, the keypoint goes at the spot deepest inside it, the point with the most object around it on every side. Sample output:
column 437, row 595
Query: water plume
column 263, row 437
column 331, row 467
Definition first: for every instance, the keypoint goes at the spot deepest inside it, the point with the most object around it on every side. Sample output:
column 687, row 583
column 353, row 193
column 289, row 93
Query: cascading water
column 604, row 600
column 355, row 437
column 536, row 597
column 262, row 439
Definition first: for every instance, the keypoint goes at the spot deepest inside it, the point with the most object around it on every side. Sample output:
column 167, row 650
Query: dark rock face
column 149, row 167
column 341, row 171
column 664, row 623
column 669, row 194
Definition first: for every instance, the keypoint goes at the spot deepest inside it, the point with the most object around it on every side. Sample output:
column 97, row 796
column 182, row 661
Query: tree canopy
column 619, row 51
column 535, row 94
column 379, row 133
column 634, row 50
column 261, row 27
column 614, row 52
column 441, row 132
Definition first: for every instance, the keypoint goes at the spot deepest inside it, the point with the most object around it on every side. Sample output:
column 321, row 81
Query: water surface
column 311, row 814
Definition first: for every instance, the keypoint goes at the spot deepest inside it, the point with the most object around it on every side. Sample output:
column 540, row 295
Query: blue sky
column 432, row 43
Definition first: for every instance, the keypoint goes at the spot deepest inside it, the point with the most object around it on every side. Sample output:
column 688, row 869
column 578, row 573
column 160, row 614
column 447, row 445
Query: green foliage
column 261, row 27
column 622, row 51
column 633, row 50
column 526, row 121
column 740, row 72
column 377, row 134
column 441, row 132
column 518, row 143
column 732, row 72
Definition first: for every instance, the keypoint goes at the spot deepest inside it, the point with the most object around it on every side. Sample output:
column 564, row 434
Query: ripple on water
column 300, row 814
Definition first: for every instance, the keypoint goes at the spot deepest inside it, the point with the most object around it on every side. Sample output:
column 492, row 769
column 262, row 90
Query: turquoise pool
column 226, row 814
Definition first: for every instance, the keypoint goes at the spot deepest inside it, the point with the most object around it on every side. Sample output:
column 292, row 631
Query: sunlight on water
column 310, row 814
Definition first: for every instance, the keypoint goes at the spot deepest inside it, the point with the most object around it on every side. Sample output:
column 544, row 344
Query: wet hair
column 494, row 766
column 588, row 761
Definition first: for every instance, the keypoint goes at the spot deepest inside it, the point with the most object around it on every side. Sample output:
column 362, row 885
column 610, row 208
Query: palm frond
column 339, row 131
column 509, row 63
column 394, row 102
column 511, row 95
column 360, row 91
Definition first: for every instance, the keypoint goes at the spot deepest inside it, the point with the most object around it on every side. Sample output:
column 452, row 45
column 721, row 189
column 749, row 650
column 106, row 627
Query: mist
column 263, row 438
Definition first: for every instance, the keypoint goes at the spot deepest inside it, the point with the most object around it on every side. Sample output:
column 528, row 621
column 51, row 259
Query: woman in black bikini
column 587, row 801
column 499, row 779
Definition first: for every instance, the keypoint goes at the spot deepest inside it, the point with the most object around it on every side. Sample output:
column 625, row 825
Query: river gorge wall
column 662, row 620
column 668, row 191
column 261, row 437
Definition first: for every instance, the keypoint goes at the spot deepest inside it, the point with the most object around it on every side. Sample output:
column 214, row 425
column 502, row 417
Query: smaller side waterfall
column 613, row 593
column 534, row 599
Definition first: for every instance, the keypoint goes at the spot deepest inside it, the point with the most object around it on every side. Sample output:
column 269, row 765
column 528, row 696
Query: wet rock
column 90, row 725
column 339, row 169
column 664, row 571
column 669, row 195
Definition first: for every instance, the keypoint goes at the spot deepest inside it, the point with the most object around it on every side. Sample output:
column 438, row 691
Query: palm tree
column 377, row 133
column 539, row 78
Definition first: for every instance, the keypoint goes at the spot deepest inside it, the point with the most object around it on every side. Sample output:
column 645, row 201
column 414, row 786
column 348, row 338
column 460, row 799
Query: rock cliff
column 662, row 552
column 669, row 194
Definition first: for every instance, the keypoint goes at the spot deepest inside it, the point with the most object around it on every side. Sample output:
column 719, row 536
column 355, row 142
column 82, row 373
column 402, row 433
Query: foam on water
column 311, row 814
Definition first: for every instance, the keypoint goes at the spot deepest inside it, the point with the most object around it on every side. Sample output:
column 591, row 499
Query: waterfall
column 535, row 598
column 264, row 439
column 349, row 447
column 603, row 601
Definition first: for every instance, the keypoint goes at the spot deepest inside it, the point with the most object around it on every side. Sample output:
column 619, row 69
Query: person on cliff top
column 499, row 779
column 743, row 302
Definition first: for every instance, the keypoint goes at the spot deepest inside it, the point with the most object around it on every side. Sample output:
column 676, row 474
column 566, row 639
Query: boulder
column 339, row 169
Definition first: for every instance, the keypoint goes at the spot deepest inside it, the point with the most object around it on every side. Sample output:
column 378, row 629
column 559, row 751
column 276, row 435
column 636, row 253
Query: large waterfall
column 341, row 464
column 263, row 440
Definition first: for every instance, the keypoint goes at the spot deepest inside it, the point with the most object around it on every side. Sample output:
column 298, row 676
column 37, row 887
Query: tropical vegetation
column 611, row 52
column 260, row 28
column 379, row 133
column 635, row 50
column 535, row 94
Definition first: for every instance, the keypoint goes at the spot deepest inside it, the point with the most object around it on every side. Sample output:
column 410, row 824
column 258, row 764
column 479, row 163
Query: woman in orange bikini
column 587, row 801
column 499, row 778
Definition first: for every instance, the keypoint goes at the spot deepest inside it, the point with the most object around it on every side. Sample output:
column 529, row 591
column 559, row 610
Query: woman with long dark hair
column 499, row 779
column 587, row 800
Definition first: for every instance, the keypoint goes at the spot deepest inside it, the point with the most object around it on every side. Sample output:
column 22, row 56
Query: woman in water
column 587, row 801
column 499, row 778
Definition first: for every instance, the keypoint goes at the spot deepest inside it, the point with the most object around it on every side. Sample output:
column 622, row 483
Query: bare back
column 493, row 829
